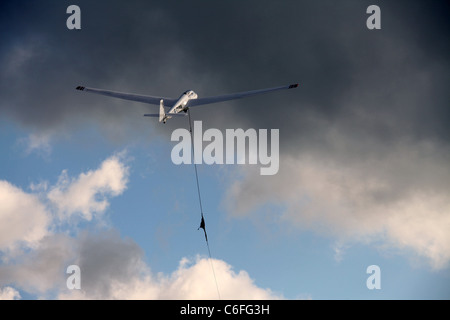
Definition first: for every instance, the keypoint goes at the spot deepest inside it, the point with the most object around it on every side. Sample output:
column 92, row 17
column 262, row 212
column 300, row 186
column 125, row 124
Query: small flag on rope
column 202, row 226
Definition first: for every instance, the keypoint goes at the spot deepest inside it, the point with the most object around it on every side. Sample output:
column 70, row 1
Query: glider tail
column 162, row 114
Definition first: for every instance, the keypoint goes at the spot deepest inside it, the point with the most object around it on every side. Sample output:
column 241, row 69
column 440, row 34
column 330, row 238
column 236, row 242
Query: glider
column 187, row 100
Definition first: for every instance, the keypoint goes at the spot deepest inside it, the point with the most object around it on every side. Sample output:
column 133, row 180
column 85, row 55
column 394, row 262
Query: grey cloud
column 105, row 257
column 112, row 267
column 165, row 47
column 369, row 102
column 101, row 256
column 40, row 270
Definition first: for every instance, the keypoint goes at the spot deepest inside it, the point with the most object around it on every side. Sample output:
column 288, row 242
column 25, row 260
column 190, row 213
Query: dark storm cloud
column 119, row 47
column 399, row 71
column 372, row 88
column 164, row 47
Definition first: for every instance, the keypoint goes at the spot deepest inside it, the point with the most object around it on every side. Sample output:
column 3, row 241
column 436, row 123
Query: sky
column 364, row 149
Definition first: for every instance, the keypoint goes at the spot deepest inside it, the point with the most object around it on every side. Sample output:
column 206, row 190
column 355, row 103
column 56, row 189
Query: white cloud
column 195, row 280
column 26, row 218
column 88, row 193
column 113, row 268
column 23, row 218
column 192, row 280
column 399, row 199
column 34, row 257
column 422, row 223
column 8, row 293
column 37, row 142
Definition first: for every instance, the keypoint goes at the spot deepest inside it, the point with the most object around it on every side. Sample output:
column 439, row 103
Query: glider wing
column 129, row 96
column 233, row 96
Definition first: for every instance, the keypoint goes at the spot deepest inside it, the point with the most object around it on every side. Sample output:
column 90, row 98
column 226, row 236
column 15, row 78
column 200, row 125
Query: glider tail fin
column 162, row 114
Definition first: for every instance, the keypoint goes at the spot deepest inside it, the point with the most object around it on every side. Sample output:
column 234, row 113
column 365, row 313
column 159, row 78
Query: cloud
column 34, row 257
column 37, row 142
column 399, row 199
column 27, row 218
column 88, row 193
column 8, row 293
column 40, row 270
column 23, row 218
column 399, row 71
column 37, row 246
column 112, row 267
column 195, row 280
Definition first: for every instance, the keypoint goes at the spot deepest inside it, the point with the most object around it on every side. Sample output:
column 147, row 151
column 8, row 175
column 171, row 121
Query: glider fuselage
column 181, row 103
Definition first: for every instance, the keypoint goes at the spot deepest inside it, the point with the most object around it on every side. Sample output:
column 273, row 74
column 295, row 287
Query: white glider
column 187, row 100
